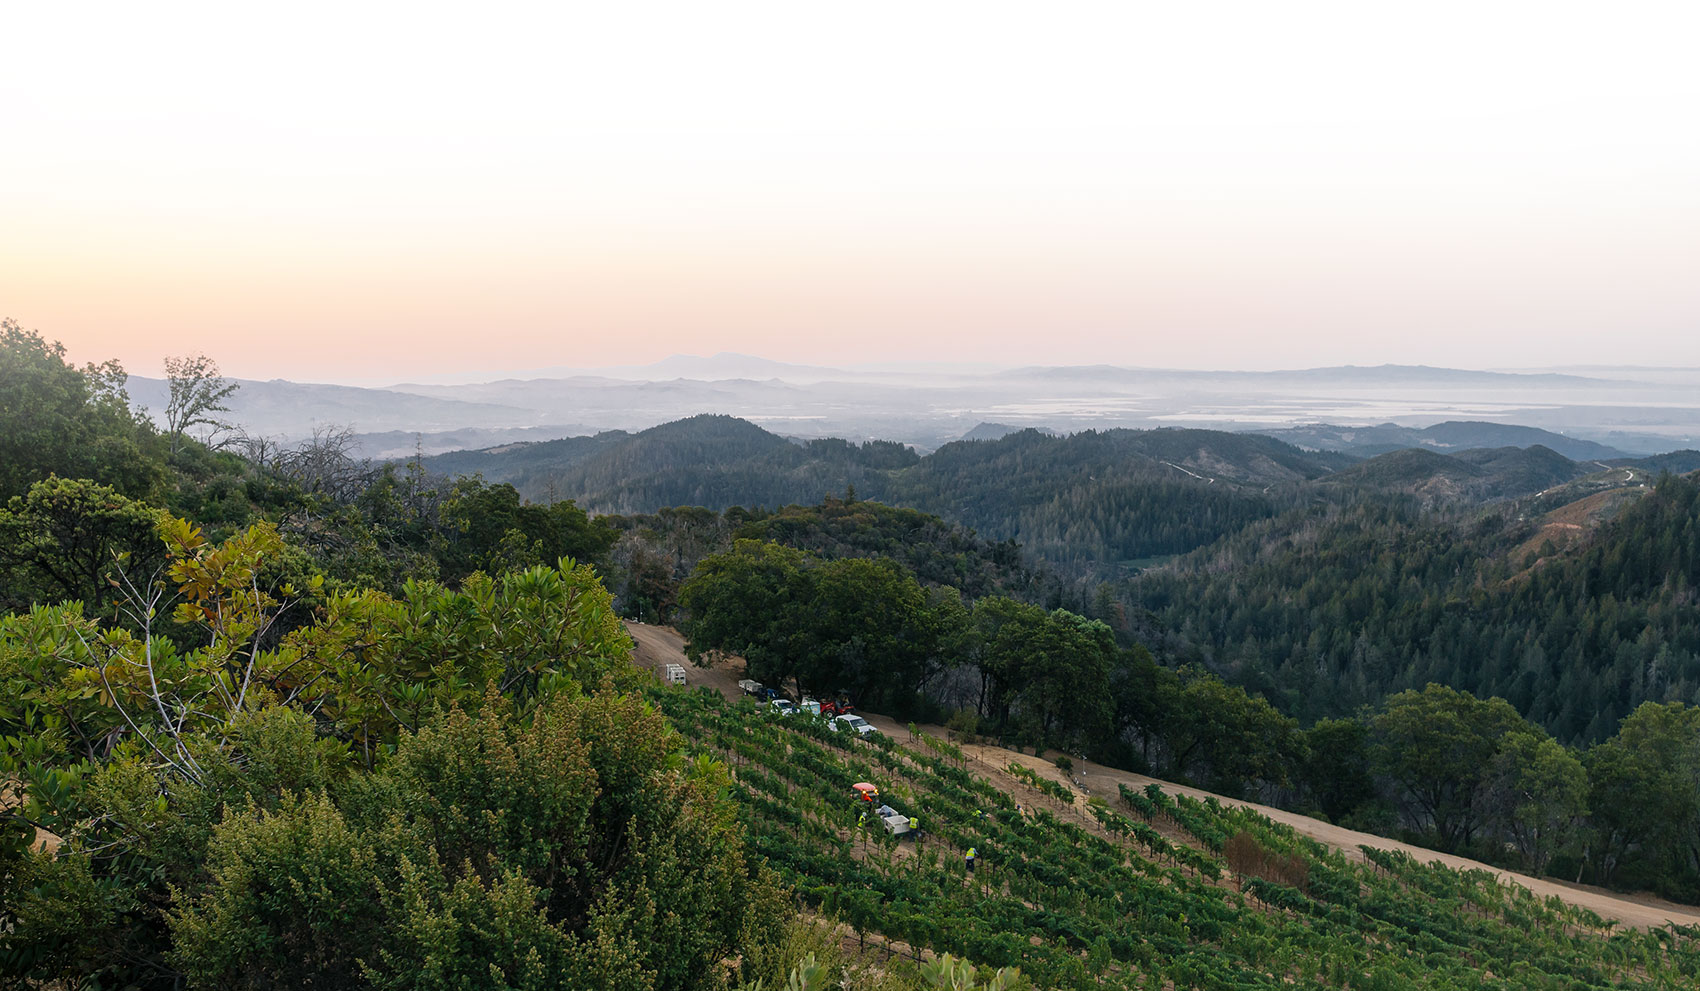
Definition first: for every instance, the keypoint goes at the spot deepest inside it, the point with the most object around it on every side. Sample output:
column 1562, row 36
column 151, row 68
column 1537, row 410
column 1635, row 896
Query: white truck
column 855, row 724
column 749, row 686
column 674, row 675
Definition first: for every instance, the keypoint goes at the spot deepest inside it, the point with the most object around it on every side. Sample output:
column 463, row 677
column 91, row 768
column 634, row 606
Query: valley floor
column 660, row 645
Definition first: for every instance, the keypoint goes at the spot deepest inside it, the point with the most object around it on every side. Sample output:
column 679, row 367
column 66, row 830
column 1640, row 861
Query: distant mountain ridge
column 931, row 407
column 1355, row 374
column 607, row 471
column 720, row 365
column 1452, row 435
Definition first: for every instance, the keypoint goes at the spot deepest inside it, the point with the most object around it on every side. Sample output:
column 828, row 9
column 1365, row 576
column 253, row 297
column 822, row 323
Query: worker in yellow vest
column 969, row 858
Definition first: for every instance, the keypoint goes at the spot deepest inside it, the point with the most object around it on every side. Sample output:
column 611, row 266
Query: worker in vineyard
column 969, row 857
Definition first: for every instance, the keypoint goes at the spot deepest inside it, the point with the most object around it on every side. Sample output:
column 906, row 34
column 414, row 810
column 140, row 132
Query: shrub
column 965, row 724
column 573, row 850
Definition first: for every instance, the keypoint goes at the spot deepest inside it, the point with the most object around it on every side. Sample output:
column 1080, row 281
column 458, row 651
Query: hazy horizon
column 384, row 193
column 701, row 367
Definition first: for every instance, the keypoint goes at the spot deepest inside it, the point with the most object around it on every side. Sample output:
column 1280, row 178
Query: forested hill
column 721, row 461
column 1092, row 504
column 1081, row 502
column 1576, row 615
column 1098, row 499
column 532, row 468
column 718, row 461
column 1473, row 475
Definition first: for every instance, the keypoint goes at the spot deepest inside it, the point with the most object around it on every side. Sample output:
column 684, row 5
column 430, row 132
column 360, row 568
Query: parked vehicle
column 837, row 707
column 784, row 707
column 860, row 726
column 809, row 706
column 895, row 822
column 750, row 687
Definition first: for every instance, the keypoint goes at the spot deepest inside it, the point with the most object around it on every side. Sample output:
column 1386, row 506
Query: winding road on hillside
column 660, row 645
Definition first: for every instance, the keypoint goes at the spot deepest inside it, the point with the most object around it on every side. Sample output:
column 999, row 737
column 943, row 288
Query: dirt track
column 659, row 645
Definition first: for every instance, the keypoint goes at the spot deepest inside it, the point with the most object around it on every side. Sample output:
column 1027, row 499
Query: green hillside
column 1151, row 891
column 715, row 462
column 1414, row 470
column 1326, row 610
column 1081, row 503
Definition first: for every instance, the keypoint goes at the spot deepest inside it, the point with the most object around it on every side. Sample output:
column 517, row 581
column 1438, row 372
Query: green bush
column 572, row 849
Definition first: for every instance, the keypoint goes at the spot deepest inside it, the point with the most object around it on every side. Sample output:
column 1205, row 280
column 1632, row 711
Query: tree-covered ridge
column 1095, row 505
column 1097, row 500
column 710, row 460
column 1327, row 610
column 1094, row 500
column 1470, row 476
column 531, row 468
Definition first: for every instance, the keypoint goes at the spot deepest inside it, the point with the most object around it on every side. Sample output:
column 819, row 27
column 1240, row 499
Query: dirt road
column 659, row 645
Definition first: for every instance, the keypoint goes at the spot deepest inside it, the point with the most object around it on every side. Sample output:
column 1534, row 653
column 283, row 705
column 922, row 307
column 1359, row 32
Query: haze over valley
column 1633, row 411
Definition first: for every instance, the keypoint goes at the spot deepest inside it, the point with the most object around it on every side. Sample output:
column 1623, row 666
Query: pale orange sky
column 373, row 193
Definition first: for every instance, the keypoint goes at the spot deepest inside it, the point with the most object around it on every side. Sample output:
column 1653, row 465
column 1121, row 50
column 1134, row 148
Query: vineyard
column 1155, row 891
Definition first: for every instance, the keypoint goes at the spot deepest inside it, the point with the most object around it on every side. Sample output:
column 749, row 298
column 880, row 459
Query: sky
column 370, row 193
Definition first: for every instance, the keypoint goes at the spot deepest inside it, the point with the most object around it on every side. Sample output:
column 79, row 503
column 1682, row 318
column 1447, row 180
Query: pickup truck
column 856, row 724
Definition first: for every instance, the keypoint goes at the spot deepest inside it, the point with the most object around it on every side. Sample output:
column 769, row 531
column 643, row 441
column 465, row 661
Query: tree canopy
column 57, row 419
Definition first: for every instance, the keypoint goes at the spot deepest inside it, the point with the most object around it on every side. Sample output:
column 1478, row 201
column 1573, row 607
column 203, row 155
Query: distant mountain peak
column 995, row 431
